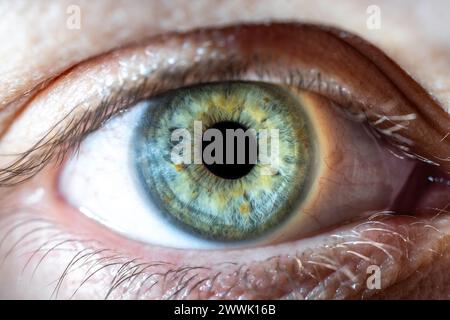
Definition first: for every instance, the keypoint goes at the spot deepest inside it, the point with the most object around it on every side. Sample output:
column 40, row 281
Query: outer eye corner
column 328, row 159
column 193, row 187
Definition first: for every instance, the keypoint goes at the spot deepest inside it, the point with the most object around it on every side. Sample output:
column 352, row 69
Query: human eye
column 361, row 167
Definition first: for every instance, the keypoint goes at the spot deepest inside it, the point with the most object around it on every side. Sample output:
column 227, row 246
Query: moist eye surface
column 262, row 149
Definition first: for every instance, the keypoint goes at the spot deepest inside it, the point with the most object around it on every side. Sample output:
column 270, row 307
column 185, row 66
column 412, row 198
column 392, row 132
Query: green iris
column 226, row 202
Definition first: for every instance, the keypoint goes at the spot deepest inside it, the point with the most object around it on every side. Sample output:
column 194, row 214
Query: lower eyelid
column 332, row 265
column 297, row 269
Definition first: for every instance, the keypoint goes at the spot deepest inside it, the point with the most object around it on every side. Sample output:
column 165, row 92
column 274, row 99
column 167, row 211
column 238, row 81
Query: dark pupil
column 233, row 170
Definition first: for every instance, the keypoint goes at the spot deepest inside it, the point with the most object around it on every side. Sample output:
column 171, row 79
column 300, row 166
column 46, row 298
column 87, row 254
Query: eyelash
column 68, row 139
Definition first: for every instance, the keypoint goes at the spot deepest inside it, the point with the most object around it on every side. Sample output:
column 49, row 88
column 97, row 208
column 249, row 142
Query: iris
column 223, row 201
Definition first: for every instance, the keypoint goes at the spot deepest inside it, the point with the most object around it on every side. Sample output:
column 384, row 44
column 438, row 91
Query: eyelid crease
column 430, row 110
column 316, row 58
column 12, row 109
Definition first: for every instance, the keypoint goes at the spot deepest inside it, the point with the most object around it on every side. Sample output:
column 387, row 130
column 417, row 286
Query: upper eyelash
column 63, row 140
column 56, row 148
column 29, row 163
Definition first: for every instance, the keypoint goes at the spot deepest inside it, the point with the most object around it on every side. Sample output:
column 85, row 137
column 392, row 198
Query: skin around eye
column 332, row 166
column 245, row 52
column 331, row 264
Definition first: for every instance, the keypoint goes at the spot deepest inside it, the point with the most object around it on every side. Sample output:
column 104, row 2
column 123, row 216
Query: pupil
column 232, row 170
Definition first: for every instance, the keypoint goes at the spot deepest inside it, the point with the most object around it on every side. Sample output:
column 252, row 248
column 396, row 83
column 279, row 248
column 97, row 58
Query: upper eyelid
column 233, row 49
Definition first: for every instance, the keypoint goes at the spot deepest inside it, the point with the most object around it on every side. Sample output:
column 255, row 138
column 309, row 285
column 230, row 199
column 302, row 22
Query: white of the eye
column 100, row 181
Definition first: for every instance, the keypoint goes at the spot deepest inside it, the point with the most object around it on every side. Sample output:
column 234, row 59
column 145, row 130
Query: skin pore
column 38, row 46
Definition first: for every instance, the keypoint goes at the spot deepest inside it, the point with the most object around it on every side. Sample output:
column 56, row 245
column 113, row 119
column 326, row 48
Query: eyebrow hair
column 239, row 63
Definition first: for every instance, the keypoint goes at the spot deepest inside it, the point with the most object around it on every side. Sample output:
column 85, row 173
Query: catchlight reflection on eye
column 230, row 163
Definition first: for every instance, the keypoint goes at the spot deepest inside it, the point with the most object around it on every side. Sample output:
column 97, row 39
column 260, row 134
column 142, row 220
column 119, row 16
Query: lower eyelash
column 333, row 271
